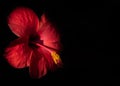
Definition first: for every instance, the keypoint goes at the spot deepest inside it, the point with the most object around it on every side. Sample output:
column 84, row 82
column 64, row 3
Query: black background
column 89, row 34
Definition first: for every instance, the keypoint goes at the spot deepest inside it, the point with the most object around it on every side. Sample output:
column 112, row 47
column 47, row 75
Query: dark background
column 89, row 34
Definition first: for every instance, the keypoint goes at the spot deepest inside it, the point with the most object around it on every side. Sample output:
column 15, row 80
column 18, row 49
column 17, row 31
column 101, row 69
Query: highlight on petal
column 23, row 21
column 18, row 54
column 49, row 34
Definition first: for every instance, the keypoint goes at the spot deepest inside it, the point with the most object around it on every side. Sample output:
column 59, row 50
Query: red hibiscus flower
column 38, row 43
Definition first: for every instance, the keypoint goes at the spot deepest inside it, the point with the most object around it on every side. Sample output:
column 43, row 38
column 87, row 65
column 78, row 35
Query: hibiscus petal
column 41, row 62
column 18, row 54
column 49, row 60
column 38, row 65
column 23, row 21
column 49, row 34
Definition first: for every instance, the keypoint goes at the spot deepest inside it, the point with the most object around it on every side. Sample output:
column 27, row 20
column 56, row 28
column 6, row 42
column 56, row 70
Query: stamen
column 54, row 55
column 45, row 47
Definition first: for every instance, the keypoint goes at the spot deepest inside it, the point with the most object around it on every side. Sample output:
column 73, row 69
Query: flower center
column 33, row 40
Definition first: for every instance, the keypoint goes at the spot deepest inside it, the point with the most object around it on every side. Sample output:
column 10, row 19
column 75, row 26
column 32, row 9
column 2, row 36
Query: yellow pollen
column 56, row 57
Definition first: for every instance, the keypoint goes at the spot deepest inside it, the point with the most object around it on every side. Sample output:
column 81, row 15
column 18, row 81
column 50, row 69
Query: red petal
column 22, row 21
column 41, row 61
column 49, row 61
column 49, row 34
column 38, row 65
column 18, row 54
